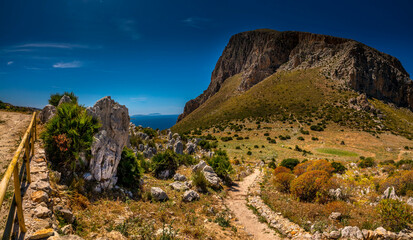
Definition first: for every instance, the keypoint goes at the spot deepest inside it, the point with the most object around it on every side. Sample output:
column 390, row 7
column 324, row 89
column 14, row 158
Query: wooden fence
column 26, row 144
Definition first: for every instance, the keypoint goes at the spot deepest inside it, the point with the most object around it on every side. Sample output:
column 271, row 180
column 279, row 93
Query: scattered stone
column 67, row 215
column 39, row 196
column 351, row 232
column 190, row 196
column 179, row 186
column 179, row 177
column 335, row 216
column 41, row 212
column 190, row 148
column 158, row 194
column 43, row 233
column 380, row 231
column 335, row 235
column 68, row 229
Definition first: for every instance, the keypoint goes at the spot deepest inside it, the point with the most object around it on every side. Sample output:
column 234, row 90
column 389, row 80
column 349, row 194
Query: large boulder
column 109, row 141
column 179, row 147
column 208, row 172
column 47, row 113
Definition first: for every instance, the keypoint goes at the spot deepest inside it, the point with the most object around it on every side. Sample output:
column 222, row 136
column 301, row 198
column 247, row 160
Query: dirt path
column 236, row 202
column 12, row 127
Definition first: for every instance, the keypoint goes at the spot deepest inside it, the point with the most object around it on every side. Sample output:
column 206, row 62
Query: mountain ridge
column 260, row 53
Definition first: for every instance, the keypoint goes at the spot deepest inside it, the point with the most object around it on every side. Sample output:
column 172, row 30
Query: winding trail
column 237, row 203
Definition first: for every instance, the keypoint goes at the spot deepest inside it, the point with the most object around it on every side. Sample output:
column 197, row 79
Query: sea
column 155, row 121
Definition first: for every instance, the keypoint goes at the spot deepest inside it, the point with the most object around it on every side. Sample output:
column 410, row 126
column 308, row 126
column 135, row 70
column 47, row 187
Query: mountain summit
column 256, row 55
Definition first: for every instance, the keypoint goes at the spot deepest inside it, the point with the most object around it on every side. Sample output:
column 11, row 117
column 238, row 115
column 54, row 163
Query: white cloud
column 74, row 64
column 9, row 63
column 195, row 22
column 138, row 99
column 129, row 27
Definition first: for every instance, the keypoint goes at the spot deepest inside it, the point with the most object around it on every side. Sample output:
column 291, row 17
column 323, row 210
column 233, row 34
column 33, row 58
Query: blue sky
column 153, row 56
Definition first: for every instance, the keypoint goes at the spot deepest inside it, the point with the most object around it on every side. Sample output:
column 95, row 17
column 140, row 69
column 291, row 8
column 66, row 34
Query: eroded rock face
column 109, row 141
column 47, row 113
column 260, row 53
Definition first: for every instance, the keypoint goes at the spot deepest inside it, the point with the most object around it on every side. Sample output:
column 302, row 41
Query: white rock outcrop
column 109, row 141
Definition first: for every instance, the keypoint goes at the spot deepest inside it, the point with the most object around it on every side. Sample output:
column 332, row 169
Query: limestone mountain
column 264, row 55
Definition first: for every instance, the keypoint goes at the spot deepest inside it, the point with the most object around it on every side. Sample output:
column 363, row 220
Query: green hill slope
column 305, row 96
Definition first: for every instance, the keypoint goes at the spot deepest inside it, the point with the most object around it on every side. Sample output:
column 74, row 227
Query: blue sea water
column 154, row 121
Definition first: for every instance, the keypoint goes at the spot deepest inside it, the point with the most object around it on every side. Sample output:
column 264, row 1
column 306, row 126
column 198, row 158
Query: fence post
column 27, row 159
column 18, row 198
column 35, row 126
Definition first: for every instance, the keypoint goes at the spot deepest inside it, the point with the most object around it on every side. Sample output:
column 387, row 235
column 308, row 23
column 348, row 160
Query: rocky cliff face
column 260, row 53
column 109, row 141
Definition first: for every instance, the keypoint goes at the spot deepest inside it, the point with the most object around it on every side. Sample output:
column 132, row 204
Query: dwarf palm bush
column 68, row 134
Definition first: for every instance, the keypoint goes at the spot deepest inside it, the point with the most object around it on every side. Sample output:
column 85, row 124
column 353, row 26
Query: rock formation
column 47, row 113
column 109, row 141
column 260, row 53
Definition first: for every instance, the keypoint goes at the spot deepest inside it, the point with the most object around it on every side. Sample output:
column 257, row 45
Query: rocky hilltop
column 258, row 54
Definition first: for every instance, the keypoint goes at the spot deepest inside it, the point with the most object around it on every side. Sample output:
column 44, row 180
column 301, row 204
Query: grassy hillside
column 303, row 96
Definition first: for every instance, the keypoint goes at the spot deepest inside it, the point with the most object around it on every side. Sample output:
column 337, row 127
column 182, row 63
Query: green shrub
column 69, row 133
column 272, row 141
column 221, row 165
column 207, row 145
column 312, row 185
column 266, row 134
column 289, row 163
column 406, row 164
column 226, row 139
column 164, row 161
column 143, row 163
column 282, row 181
column 55, row 98
column 300, row 138
column 272, row 164
column 304, row 132
column 395, row 215
column 238, row 147
column 366, row 162
column 314, row 138
column 317, row 128
column 150, row 132
column 186, row 159
column 129, row 171
column 249, row 153
column 199, row 181
column 338, row 168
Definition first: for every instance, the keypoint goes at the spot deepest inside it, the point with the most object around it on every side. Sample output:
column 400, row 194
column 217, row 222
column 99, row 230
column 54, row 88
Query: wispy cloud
column 129, row 27
column 195, row 22
column 9, row 63
column 30, row 47
column 74, row 64
column 138, row 99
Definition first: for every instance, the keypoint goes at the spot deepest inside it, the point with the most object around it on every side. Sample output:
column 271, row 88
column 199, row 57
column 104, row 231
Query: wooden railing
column 27, row 143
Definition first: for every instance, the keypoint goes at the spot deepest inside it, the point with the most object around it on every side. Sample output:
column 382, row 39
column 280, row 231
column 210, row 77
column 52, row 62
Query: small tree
column 289, row 163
